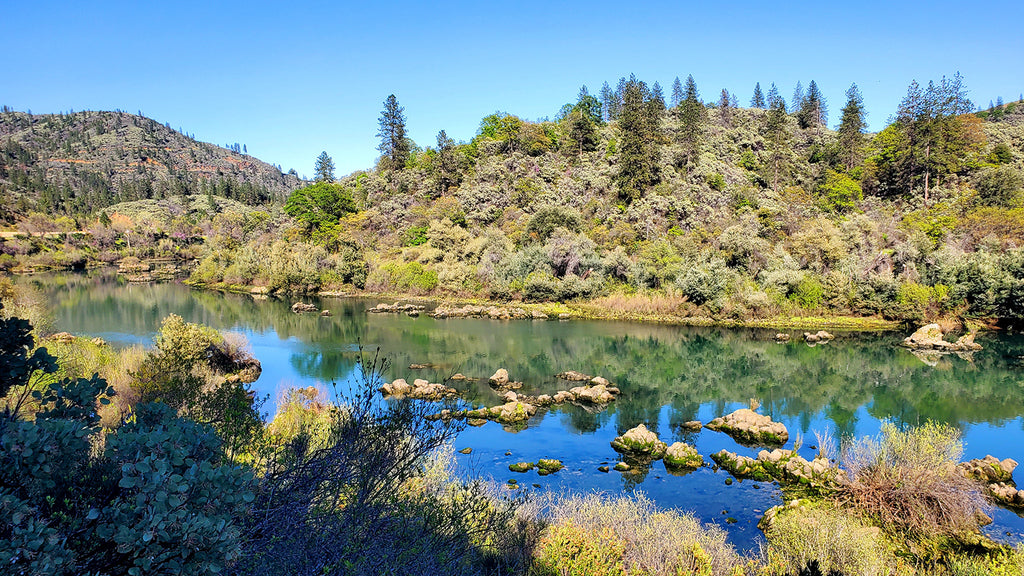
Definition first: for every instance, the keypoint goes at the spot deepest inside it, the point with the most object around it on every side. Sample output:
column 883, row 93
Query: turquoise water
column 668, row 375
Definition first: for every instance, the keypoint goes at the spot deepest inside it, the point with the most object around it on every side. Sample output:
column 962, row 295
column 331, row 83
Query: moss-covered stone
column 550, row 465
column 682, row 455
column 640, row 443
column 749, row 427
column 521, row 467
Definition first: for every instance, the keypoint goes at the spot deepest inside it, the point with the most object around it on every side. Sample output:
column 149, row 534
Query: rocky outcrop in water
column 780, row 465
column 997, row 477
column 749, row 427
column 929, row 337
column 573, row 376
column 819, row 337
column 493, row 312
column 640, row 444
column 395, row 308
column 420, row 389
column 299, row 307
column 683, row 456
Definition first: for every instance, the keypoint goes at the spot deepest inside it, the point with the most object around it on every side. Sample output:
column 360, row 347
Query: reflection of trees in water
column 654, row 365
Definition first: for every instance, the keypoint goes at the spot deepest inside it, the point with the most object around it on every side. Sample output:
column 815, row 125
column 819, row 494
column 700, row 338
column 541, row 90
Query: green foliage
column 409, row 277
column 705, row 282
column 808, row 293
column 998, row 186
column 320, row 205
column 545, row 220
column 830, row 541
column 414, row 236
column 155, row 499
column 568, row 550
column 839, row 193
column 323, row 170
column 394, row 146
column 639, row 141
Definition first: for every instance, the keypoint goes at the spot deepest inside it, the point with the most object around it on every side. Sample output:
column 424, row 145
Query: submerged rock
column 572, row 376
column 682, row 455
column 640, row 443
column 929, row 337
column 749, row 427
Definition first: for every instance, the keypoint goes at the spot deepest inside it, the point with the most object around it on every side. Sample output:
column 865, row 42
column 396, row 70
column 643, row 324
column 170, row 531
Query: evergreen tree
column 677, row 92
column 639, row 136
column 394, row 146
column 692, row 121
column 776, row 134
column 324, row 168
column 850, row 138
column 581, row 124
column 813, row 111
column 758, row 100
column 658, row 97
column 798, row 96
column 608, row 102
column 447, row 163
column 725, row 108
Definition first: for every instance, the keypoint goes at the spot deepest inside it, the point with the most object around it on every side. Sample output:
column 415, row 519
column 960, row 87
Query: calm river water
column 668, row 375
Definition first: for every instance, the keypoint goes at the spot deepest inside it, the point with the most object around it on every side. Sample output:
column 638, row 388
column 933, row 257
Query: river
column 668, row 375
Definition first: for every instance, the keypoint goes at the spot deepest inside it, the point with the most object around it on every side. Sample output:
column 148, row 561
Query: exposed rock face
column 395, row 308
column 303, row 307
column 781, row 465
column 749, row 427
column 420, row 389
column 929, row 337
column 989, row 469
column 818, row 337
column 640, row 443
column 681, row 455
column 572, row 376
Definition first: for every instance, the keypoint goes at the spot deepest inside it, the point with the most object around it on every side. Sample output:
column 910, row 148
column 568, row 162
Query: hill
column 81, row 162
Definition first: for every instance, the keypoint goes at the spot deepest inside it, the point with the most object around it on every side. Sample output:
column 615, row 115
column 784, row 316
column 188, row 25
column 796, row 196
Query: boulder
column 622, row 467
column 1007, row 494
column 63, row 337
column 500, row 377
column 782, row 337
column 521, row 467
column 509, row 413
column 818, row 337
column 549, row 465
column 749, row 427
column 692, row 426
column 593, row 394
column 681, row 455
column 325, row 312
column 395, row 308
column 989, row 469
column 420, row 389
column 600, row 381
column 640, row 443
column 929, row 337
column 572, row 376
column 780, row 465
column 299, row 307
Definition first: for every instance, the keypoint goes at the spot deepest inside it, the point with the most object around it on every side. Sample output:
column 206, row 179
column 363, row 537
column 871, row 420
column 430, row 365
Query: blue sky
column 291, row 79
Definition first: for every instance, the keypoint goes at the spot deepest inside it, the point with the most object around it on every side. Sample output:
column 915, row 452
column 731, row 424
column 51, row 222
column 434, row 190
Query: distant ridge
column 81, row 162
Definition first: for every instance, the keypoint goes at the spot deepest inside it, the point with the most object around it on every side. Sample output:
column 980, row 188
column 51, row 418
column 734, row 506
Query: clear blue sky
column 289, row 79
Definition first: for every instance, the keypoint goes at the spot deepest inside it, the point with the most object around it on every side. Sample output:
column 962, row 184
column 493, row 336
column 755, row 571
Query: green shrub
column 826, row 541
column 808, row 292
column 414, row 236
column 704, row 282
column 544, row 222
column 568, row 550
column 403, row 277
column 540, row 287
column 839, row 193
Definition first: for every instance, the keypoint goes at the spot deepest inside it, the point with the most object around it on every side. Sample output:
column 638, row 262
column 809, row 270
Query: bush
column 637, row 537
column 704, row 282
column 825, row 541
column 808, row 292
column 544, row 222
column 408, row 277
column 998, row 186
column 839, row 193
column 907, row 480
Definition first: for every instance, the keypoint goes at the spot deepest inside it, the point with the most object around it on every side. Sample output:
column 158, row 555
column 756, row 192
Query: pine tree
column 581, row 124
column 677, row 92
column 798, row 96
column 850, row 138
column 813, row 111
column 447, row 163
column 323, row 170
column 692, row 121
column 394, row 146
column 658, row 97
column 608, row 102
column 758, row 100
column 776, row 134
column 725, row 108
column 640, row 136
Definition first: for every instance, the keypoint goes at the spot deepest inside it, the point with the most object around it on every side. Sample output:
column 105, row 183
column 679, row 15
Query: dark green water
column 668, row 375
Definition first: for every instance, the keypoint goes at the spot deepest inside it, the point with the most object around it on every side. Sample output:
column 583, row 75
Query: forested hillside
column 79, row 163
column 646, row 206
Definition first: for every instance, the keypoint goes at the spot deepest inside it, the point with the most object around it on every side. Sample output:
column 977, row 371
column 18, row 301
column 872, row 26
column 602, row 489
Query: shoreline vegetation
column 331, row 478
